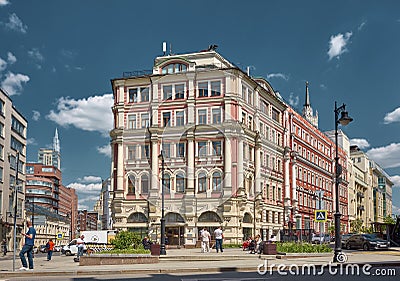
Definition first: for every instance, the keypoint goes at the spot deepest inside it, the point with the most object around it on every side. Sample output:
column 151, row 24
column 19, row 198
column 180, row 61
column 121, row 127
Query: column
column 227, row 167
column 120, row 168
column 190, row 166
column 257, row 167
column 154, row 168
column 240, row 164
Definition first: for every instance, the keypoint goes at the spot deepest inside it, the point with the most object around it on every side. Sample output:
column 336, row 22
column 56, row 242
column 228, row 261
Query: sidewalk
column 191, row 260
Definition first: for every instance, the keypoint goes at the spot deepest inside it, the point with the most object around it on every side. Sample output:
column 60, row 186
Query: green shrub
column 292, row 247
column 127, row 240
column 233, row 245
column 125, row 251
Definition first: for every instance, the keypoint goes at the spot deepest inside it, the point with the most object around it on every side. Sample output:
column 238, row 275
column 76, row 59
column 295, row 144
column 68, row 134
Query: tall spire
column 56, row 142
column 307, row 101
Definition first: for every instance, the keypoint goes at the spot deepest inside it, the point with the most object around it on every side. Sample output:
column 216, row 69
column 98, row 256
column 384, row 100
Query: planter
column 269, row 249
column 117, row 259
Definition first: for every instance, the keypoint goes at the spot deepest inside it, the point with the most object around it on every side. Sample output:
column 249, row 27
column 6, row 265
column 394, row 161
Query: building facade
column 211, row 135
column 309, row 173
column 13, row 127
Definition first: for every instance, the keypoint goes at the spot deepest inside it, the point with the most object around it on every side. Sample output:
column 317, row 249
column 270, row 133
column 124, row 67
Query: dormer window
column 174, row 68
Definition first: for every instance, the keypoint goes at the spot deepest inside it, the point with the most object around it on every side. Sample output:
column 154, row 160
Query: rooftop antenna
column 164, row 47
column 248, row 71
column 170, row 49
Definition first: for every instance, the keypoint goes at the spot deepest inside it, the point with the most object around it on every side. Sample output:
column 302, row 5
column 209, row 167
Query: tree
column 389, row 220
column 356, row 226
column 126, row 240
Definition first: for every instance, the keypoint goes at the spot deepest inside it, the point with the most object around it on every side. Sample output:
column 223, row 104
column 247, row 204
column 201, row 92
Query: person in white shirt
column 219, row 236
column 205, row 241
column 81, row 245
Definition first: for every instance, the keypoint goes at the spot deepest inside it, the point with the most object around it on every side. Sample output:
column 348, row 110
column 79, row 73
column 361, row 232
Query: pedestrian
column 4, row 247
column 81, row 245
column 205, row 241
column 28, row 247
column 50, row 249
column 219, row 236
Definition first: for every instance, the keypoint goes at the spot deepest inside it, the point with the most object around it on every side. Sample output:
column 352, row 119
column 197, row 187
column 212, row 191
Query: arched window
column 167, row 183
column 202, row 182
column 180, row 182
column 137, row 217
column 174, row 68
column 209, row 217
column 131, row 184
column 145, row 184
column 247, row 218
column 216, row 181
column 173, row 218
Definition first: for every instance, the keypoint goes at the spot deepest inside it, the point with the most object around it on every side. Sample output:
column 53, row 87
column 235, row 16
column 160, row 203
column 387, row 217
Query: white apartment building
column 12, row 172
column 220, row 133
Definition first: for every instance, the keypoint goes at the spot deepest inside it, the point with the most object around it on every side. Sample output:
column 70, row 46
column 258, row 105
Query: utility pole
column 15, row 209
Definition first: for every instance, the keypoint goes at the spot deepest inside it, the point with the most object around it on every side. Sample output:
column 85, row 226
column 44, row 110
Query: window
column 132, row 152
column 17, row 126
column 180, row 118
column 131, row 184
column 180, row 91
column 144, row 94
column 167, row 92
column 216, row 181
column 250, row 96
column 166, row 148
column 145, row 120
column 167, row 119
column 132, row 121
column 244, row 93
column 1, row 107
column 275, row 115
column 174, row 68
column 202, row 182
column 167, row 182
column 202, row 148
column 133, row 95
column 180, row 182
column 145, row 151
column 203, row 89
column 180, row 149
column 145, row 184
column 215, row 88
column 264, row 107
column 202, row 118
column 1, row 176
column 16, row 145
column 273, row 193
column 1, row 130
column 216, row 148
column 216, row 115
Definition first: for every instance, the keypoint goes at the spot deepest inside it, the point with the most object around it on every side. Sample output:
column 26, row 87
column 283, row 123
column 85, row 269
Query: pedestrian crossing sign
column 60, row 235
column 320, row 215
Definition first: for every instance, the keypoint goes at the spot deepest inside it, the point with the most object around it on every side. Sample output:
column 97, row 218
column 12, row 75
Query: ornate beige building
column 220, row 132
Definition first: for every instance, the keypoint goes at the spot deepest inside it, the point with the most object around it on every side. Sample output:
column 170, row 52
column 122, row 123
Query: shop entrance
column 175, row 235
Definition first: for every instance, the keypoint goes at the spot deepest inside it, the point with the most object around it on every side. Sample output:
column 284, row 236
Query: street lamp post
column 344, row 120
column 162, row 246
column 15, row 209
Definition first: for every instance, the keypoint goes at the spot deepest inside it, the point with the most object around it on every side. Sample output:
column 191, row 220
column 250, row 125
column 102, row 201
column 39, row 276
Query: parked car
column 35, row 250
column 320, row 238
column 42, row 248
column 366, row 242
column 57, row 248
column 345, row 237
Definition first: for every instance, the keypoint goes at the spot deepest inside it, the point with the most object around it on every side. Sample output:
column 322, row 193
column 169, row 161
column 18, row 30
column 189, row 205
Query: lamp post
column 344, row 120
column 15, row 209
column 162, row 246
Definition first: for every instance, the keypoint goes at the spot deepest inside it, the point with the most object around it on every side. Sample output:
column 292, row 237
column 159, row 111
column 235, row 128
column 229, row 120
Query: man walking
column 81, row 245
column 28, row 247
column 219, row 236
column 50, row 249
column 205, row 241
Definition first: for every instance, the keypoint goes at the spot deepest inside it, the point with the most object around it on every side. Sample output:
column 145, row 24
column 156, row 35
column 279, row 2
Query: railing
column 136, row 73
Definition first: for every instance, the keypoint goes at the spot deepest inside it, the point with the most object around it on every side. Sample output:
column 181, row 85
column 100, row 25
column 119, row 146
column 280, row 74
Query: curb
column 173, row 270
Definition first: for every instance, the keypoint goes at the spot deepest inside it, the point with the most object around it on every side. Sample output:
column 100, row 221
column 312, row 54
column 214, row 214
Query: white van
column 71, row 249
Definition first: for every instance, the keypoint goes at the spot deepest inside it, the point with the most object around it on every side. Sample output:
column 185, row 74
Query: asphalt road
column 375, row 273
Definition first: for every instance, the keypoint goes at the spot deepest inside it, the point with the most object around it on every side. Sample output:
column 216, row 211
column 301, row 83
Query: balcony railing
column 136, row 73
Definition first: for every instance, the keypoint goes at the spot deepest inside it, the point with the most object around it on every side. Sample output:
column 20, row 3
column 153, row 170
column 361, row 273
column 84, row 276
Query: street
column 390, row 273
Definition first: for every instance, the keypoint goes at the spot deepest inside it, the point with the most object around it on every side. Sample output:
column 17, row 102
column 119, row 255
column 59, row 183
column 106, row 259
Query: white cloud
column 395, row 210
column 12, row 84
column 4, row 2
column 362, row 25
column 386, row 156
column 91, row 188
column 106, row 150
column 89, row 179
column 323, row 87
column 14, row 23
column 31, row 141
column 337, row 44
column 11, row 58
column 3, row 64
column 35, row 54
column 395, row 180
column 361, row 143
column 91, row 114
column 293, row 100
column 278, row 75
column 393, row 116
column 88, row 194
column 36, row 115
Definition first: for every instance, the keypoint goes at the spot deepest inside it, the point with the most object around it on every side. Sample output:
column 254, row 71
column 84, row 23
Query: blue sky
column 57, row 59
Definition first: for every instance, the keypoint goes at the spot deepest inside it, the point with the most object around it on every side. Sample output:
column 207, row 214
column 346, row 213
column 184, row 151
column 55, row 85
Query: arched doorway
column 137, row 222
column 174, row 229
column 247, row 225
column 209, row 220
